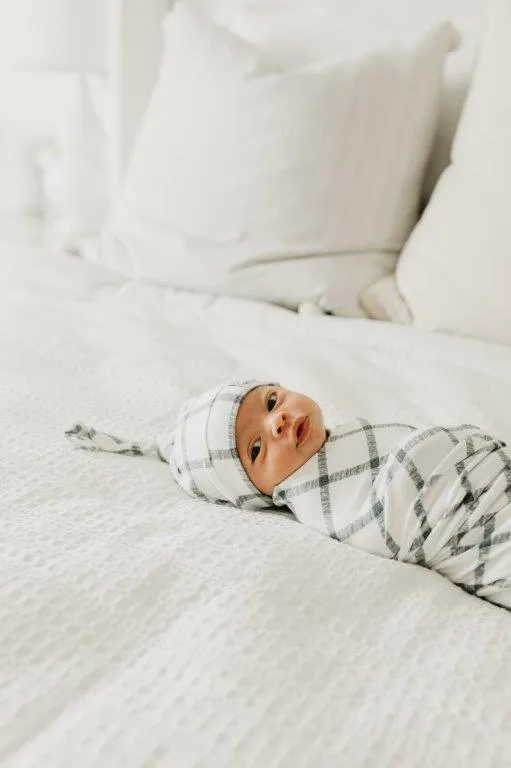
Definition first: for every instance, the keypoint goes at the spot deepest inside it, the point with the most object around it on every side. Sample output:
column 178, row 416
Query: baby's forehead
column 252, row 399
column 249, row 407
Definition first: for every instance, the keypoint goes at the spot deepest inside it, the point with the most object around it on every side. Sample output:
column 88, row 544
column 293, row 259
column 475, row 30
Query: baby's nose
column 278, row 424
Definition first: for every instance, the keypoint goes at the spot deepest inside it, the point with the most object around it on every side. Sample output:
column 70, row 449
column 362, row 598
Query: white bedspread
column 141, row 628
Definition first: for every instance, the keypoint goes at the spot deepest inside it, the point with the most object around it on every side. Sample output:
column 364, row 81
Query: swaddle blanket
column 430, row 496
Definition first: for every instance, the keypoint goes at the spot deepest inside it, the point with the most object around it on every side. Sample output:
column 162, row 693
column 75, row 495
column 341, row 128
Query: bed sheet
column 139, row 627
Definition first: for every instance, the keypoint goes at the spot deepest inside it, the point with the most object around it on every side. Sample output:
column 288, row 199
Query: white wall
column 30, row 106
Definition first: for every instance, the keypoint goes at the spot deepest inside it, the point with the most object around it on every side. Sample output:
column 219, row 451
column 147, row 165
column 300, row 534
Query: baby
column 431, row 496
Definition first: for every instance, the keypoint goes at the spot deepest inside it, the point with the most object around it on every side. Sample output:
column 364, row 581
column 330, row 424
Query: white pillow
column 288, row 186
column 455, row 270
column 297, row 31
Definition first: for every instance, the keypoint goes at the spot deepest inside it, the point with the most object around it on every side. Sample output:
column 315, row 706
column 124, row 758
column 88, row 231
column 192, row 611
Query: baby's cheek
column 283, row 465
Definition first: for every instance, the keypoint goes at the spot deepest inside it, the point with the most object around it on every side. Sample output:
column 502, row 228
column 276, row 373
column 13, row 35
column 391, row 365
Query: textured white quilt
column 139, row 627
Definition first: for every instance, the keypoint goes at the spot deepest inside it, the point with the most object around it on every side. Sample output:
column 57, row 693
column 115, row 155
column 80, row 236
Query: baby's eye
column 254, row 451
column 272, row 401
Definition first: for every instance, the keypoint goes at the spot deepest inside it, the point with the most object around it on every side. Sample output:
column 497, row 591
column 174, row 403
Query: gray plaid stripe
column 484, row 549
column 191, row 464
column 418, row 507
column 478, row 588
column 455, row 546
column 223, row 454
column 190, row 412
column 507, row 471
column 387, row 425
column 500, row 538
column 372, row 427
column 324, row 492
column 372, row 449
column 377, row 506
column 415, row 476
column 401, row 459
column 487, row 540
column 186, row 466
column 453, row 543
column 335, row 477
column 240, row 501
column 358, row 524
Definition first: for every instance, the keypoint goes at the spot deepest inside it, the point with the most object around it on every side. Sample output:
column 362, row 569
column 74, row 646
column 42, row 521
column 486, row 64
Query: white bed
column 142, row 628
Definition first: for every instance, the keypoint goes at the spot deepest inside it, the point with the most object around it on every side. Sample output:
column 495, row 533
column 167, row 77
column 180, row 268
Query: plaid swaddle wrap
column 431, row 496
column 200, row 450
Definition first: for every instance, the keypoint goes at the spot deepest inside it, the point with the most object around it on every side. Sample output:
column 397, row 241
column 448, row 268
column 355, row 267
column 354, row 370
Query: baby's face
column 277, row 431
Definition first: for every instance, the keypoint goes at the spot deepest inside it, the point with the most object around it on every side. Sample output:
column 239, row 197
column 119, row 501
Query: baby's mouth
column 302, row 430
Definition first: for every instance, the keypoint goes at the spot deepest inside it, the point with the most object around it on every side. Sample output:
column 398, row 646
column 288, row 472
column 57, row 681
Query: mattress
column 139, row 627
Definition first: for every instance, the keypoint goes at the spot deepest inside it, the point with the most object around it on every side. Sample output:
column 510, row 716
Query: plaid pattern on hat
column 201, row 450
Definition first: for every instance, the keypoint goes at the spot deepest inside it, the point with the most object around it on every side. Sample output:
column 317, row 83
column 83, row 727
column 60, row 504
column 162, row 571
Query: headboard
column 135, row 50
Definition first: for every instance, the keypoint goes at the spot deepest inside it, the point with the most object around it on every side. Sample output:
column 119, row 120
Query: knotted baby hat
column 200, row 450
